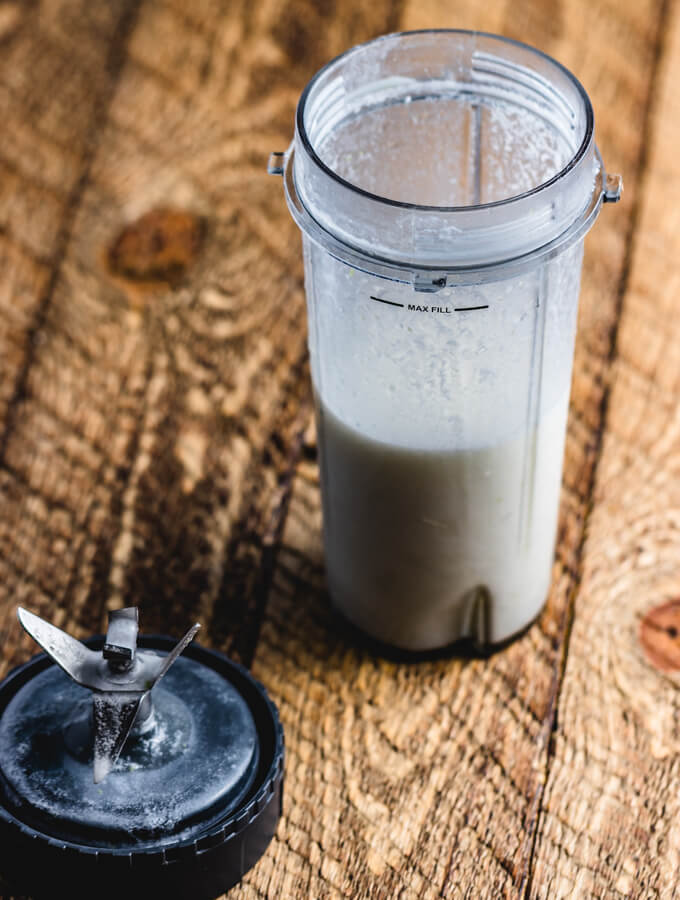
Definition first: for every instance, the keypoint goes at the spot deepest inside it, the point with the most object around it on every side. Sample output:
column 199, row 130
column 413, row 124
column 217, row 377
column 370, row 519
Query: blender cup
column 443, row 182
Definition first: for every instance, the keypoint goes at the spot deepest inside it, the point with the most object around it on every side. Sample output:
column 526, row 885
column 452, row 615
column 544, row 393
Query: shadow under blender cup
column 443, row 182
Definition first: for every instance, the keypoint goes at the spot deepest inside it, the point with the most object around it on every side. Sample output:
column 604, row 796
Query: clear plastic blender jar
column 443, row 182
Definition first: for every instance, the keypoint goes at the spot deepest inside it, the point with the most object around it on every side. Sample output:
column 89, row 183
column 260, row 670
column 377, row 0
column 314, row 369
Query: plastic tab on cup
column 613, row 188
column 276, row 163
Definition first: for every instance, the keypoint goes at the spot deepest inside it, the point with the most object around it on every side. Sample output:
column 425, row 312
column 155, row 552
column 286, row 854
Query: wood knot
column 660, row 636
column 158, row 247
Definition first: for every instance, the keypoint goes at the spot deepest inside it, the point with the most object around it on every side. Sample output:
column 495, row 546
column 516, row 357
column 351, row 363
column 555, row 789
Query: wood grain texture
column 609, row 823
column 46, row 151
column 156, row 444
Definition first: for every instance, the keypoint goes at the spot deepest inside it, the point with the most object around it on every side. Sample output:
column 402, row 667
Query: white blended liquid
column 425, row 547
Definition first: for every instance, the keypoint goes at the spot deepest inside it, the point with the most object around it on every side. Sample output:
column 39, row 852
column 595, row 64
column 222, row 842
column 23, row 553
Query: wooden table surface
column 157, row 446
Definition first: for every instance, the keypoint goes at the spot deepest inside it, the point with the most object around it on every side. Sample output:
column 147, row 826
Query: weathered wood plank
column 58, row 69
column 426, row 780
column 132, row 393
column 148, row 443
column 609, row 821
column 51, row 89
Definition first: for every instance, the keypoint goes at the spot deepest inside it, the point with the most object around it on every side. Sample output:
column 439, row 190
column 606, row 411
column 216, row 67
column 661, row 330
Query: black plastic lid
column 190, row 805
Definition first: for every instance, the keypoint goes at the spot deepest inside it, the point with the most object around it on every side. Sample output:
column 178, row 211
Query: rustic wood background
column 157, row 447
